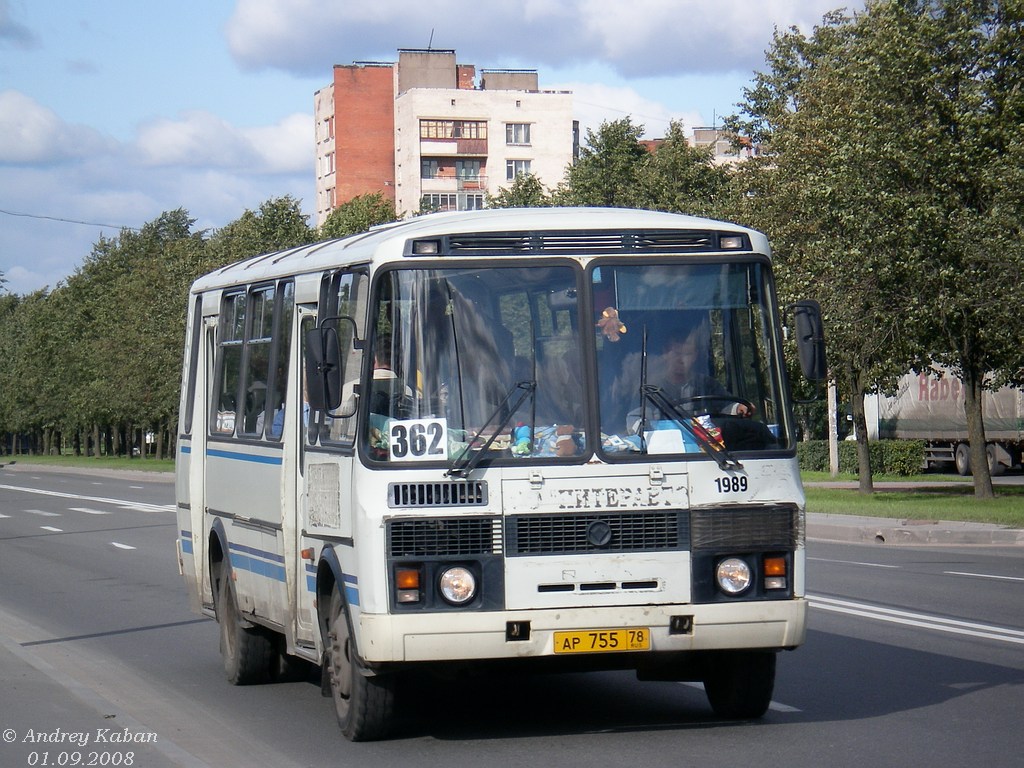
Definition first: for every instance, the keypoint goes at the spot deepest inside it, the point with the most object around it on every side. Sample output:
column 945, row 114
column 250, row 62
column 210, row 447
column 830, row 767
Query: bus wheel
column 364, row 703
column 740, row 684
column 246, row 649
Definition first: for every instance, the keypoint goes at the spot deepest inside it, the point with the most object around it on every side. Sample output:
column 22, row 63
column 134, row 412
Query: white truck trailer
column 930, row 407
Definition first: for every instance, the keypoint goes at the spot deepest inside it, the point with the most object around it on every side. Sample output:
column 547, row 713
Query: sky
column 114, row 111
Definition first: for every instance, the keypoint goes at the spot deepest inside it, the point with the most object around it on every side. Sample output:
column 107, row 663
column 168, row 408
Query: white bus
column 555, row 438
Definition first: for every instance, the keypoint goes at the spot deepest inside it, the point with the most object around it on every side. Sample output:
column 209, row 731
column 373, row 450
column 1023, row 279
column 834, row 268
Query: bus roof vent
column 583, row 242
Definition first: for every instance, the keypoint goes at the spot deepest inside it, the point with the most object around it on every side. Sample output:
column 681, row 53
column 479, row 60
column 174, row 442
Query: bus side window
column 345, row 297
column 228, row 375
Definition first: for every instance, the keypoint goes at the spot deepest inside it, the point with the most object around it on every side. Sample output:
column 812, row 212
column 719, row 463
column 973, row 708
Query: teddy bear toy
column 564, row 443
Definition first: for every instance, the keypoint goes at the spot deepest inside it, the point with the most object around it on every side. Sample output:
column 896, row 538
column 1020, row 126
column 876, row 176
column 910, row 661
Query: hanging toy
column 610, row 324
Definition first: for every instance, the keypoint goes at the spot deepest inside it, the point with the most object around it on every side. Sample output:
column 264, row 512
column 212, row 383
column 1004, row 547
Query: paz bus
column 468, row 439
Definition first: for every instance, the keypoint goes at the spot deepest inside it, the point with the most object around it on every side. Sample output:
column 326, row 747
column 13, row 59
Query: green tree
column 682, row 178
column 891, row 189
column 611, row 169
column 358, row 215
column 279, row 223
column 526, row 191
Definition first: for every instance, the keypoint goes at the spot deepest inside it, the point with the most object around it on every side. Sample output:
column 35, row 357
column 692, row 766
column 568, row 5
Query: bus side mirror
column 810, row 339
column 323, row 368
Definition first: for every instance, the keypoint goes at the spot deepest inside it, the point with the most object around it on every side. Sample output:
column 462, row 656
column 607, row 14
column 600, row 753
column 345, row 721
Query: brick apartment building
column 427, row 134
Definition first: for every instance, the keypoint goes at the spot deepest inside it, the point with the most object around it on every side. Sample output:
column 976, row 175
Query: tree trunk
column 973, row 392
column 96, row 452
column 860, row 425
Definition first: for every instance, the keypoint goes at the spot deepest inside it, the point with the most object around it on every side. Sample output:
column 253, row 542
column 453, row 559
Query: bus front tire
column 246, row 649
column 739, row 684
column 363, row 703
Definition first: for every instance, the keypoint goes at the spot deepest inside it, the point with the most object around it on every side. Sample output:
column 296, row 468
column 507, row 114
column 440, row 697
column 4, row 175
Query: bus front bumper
column 450, row 636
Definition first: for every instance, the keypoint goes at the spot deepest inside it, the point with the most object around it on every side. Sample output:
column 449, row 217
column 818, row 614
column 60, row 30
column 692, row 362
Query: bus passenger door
column 197, row 469
column 310, row 471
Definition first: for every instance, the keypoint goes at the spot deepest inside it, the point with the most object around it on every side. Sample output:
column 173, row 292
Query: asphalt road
column 915, row 656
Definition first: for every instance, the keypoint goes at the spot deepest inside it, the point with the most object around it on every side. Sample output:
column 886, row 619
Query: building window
column 453, row 129
column 439, row 202
column 517, row 133
column 515, row 168
column 467, row 169
column 428, row 168
column 451, row 202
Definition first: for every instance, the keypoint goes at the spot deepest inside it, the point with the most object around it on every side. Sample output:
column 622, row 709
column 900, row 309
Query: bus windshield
column 488, row 363
column 684, row 357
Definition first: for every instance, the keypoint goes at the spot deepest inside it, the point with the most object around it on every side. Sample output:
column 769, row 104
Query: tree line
column 888, row 178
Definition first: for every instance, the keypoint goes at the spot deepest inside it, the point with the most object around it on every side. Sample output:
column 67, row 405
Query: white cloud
column 13, row 33
column 202, row 140
column 199, row 162
column 30, row 133
column 594, row 104
column 287, row 146
column 643, row 38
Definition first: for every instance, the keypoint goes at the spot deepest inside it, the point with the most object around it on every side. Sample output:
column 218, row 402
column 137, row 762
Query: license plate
column 603, row 640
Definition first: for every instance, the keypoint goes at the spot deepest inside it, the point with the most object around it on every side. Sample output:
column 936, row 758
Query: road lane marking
column 51, row 528
column 983, row 575
column 853, row 562
column 41, row 513
column 922, row 620
column 122, row 546
column 138, row 505
column 89, row 511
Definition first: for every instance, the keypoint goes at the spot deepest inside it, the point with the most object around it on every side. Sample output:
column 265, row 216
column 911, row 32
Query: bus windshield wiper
column 466, row 463
column 682, row 416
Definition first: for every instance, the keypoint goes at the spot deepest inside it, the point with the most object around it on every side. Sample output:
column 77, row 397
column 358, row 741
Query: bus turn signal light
column 775, row 573
column 407, row 585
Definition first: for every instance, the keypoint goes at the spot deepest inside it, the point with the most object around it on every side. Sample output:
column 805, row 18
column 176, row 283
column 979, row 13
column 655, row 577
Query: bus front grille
column 746, row 528
column 442, row 537
column 597, row 533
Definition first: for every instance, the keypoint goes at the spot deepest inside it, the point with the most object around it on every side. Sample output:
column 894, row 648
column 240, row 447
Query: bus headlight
column 457, row 585
column 733, row 575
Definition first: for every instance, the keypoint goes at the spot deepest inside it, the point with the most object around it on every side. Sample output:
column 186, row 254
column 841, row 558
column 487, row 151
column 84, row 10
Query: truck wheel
column 962, row 459
column 739, row 685
column 364, row 704
column 247, row 650
column 994, row 467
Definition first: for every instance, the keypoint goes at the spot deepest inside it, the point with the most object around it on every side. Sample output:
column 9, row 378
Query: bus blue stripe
column 259, row 567
column 236, row 456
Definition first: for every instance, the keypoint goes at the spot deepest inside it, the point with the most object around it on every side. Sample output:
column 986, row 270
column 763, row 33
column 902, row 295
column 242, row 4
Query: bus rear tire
column 247, row 650
column 364, row 704
column 739, row 684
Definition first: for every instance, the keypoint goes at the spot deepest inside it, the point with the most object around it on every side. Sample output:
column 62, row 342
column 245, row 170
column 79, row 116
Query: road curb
column 869, row 530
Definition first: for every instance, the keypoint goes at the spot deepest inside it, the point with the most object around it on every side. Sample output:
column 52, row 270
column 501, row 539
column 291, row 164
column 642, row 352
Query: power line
column 67, row 221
